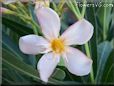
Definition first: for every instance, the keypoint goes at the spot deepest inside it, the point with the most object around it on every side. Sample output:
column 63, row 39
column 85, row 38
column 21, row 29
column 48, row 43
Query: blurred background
column 19, row 20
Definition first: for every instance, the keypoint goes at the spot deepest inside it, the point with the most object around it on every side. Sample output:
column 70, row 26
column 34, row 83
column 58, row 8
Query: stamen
column 57, row 45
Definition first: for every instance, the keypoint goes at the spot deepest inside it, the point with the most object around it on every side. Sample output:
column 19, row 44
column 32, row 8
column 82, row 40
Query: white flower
column 55, row 46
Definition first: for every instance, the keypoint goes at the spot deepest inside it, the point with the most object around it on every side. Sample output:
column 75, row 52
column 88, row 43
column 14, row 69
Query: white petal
column 33, row 44
column 77, row 63
column 46, row 65
column 78, row 33
column 49, row 21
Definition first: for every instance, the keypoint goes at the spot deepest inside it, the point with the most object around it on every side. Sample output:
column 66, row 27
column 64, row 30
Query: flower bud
column 2, row 10
column 5, row 11
column 41, row 3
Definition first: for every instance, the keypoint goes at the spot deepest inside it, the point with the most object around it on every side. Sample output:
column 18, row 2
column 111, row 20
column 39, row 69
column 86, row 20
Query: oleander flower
column 55, row 46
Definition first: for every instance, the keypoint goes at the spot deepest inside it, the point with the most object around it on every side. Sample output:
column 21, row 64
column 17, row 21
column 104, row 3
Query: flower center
column 57, row 45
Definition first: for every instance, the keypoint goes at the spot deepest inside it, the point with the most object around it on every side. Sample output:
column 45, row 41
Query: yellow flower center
column 57, row 45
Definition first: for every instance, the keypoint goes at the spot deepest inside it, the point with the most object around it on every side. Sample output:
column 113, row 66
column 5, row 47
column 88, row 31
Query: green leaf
column 109, row 69
column 94, row 40
column 31, row 59
column 6, row 81
column 14, row 25
column 11, row 55
column 13, row 75
column 10, row 59
column 59, row 74
column 31, row 11
column 104, row 50
column 11, row 47
column 23, row 68
column 104, row 17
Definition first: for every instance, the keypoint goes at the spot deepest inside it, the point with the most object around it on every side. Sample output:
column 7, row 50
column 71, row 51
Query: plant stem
column 36, row 28
column 104, row 24
column 88, row 54
column 84, row 8
column 76, row 7
column 87, row 46
column 20, row 15
column 61, row 4
column 79, row 16
column 72, row 7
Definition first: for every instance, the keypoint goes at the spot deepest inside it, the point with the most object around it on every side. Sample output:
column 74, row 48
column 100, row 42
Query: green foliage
column 19, row 68
column 104, row 50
